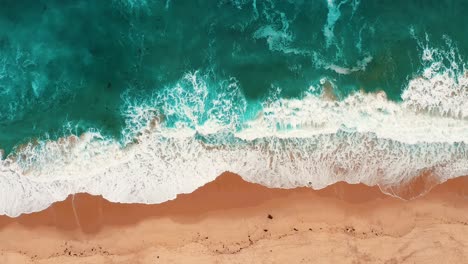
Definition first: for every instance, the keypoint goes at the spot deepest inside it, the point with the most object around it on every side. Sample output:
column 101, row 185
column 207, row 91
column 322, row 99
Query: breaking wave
column 186, row 135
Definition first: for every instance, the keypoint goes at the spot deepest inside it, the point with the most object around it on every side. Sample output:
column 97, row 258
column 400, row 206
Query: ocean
column 141, row 100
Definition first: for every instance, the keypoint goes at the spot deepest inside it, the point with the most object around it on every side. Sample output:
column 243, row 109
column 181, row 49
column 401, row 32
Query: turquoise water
column 140, row 100
column 73, row 61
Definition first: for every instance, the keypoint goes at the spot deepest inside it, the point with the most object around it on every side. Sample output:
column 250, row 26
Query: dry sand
column 232, row 221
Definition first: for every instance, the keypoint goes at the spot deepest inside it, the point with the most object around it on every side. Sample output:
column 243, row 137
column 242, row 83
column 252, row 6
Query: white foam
column 439, row 94
column 361, row 66
column 360, row 113
column 311, row 142
column 164, row 164
column 442, row 88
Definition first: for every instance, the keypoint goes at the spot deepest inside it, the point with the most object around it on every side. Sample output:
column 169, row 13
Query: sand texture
column 233, row 221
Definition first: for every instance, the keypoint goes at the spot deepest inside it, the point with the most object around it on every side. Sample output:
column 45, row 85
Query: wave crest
column 183, row 137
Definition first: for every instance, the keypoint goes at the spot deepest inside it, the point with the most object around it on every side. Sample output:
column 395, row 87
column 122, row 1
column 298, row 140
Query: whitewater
column 283, row 93
column 186, row 136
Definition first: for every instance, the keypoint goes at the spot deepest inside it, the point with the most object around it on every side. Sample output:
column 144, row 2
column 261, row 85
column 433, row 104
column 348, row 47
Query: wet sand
column 232, row 221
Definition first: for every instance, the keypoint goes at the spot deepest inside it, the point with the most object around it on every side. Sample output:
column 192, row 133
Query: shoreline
column 231, row 220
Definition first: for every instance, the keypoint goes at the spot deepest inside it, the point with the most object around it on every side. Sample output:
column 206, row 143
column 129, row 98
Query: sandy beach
column 233, row 221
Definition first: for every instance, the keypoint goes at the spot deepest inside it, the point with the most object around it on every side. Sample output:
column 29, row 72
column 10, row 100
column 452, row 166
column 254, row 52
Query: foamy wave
column 363, row 113
column 442, row 88
column 439, row 94
column 164, row 164
column 185, row 136
column 195, row 102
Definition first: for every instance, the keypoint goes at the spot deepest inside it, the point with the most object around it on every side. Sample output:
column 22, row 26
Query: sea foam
column 186, row 135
